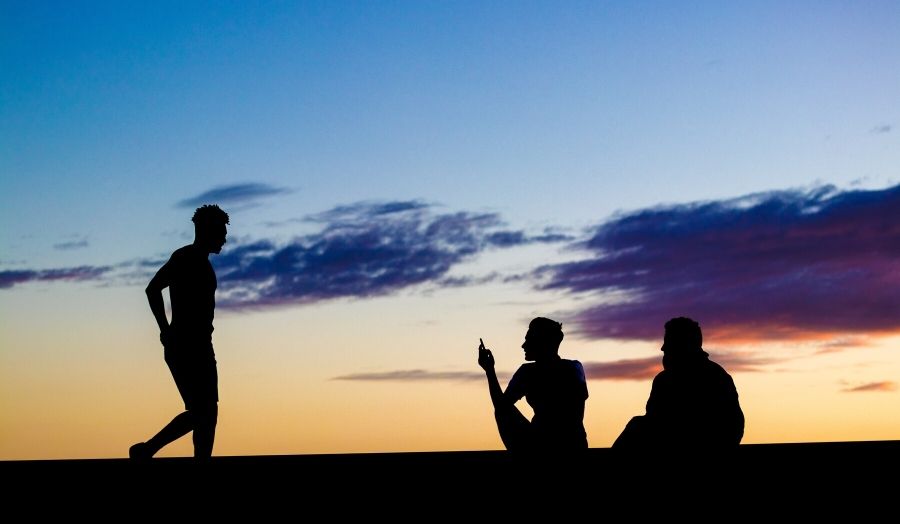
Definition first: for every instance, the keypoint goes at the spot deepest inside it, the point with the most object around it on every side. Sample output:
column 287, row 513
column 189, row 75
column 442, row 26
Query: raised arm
column 486, row 361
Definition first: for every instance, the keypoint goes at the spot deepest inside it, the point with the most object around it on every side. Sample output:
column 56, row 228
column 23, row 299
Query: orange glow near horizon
column 110, row 388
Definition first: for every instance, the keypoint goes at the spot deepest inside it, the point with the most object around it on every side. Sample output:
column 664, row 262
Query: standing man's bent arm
column 154, row 289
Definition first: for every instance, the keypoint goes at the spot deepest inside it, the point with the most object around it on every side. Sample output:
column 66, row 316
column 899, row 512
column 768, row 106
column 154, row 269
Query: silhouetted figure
column 555, row 389
column 693, row 403
column 188, row 339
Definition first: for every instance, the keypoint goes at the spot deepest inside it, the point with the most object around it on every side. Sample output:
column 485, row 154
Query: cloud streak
column 360, row 250
column 772, row 266
column 10, row 278
column 68, row 246
column 363, row 250
column 647, row 368
column 881, row 129
column 414, row 375
column 627, row 369
column 232, row 194
column 885, row 386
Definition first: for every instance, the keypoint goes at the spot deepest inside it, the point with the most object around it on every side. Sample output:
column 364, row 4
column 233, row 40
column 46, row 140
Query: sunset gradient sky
column 406, row 177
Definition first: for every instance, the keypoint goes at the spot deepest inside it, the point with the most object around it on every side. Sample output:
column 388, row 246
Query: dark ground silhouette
column 693, row 404
column 555, row 388
column 187, row 340
column 769, row 479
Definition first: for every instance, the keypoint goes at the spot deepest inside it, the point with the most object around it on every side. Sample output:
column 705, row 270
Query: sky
column 404, row 178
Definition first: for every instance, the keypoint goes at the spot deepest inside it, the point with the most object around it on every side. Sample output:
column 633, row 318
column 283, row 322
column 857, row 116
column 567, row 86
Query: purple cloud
column 873, row 386
column 10, row 278
column 232, row 194
column 363, row 250
column 780, row 265
column 626, row 369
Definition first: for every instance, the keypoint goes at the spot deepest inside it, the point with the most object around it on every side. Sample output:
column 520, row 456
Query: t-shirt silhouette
column 192, row 290
column 556, row 390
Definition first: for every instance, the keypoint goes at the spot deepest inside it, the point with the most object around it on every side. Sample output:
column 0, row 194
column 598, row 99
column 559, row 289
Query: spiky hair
column 209, row 214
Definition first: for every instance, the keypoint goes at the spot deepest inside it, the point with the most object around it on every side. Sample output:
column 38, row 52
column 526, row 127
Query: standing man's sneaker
column 139, row 451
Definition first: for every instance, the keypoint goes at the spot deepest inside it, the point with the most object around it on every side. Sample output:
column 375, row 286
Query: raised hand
column 485, row 357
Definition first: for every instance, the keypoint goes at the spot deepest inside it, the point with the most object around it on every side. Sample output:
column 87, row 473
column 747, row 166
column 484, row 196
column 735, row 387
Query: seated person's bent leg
column 635, row 436
column 515, row 429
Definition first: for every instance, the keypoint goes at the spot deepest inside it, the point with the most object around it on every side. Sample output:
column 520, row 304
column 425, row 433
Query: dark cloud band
column 778, row 265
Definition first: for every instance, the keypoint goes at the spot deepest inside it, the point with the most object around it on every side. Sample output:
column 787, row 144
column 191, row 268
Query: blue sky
column 546, row 113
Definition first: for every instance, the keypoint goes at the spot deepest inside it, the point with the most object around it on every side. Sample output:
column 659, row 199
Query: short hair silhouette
column 209, row 215
column 549, row 331
column 684, row 332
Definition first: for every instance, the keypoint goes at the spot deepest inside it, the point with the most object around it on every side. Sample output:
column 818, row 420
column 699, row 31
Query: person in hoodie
column 693, row 403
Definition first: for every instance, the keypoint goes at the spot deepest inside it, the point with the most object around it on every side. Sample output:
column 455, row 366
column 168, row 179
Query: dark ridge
column 809, row 477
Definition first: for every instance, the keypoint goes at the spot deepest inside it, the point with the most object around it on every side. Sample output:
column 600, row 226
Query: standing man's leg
column 205, row 431
column 207, row 407
column 183, row 423
column 179, row 427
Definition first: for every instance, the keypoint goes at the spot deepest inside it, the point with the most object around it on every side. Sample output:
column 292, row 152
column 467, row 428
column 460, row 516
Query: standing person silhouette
column 693, row 403
column 187, row 340
column 555, row 388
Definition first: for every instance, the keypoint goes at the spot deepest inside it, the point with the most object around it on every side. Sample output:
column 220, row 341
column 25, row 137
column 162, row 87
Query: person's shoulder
column 572, row 363
column 714, row 367
column 523, row 373
column 574, row 366
column 715, row 372
column 190, row 253
column 183, row 251
column 526, row 367
column 662, row 376
column 183, row 258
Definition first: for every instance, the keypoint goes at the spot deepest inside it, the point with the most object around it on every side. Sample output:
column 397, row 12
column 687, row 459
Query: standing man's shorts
column 194, row 371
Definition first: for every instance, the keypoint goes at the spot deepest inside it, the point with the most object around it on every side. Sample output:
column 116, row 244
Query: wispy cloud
column 70, row 245
column 884, row 386
column 359, row 250
column 233, row 194
column 363, row 250
column 647, row 368
column 842, row 343
column 10, row 278
column 881, row 129
column 626, row 369
column 771, row 266
column 419, row 375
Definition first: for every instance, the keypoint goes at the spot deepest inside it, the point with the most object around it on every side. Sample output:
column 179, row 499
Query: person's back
column 693, row 402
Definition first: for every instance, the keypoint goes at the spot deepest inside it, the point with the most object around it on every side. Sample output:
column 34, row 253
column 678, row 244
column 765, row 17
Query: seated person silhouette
column 555, row 389
column 693, row 402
